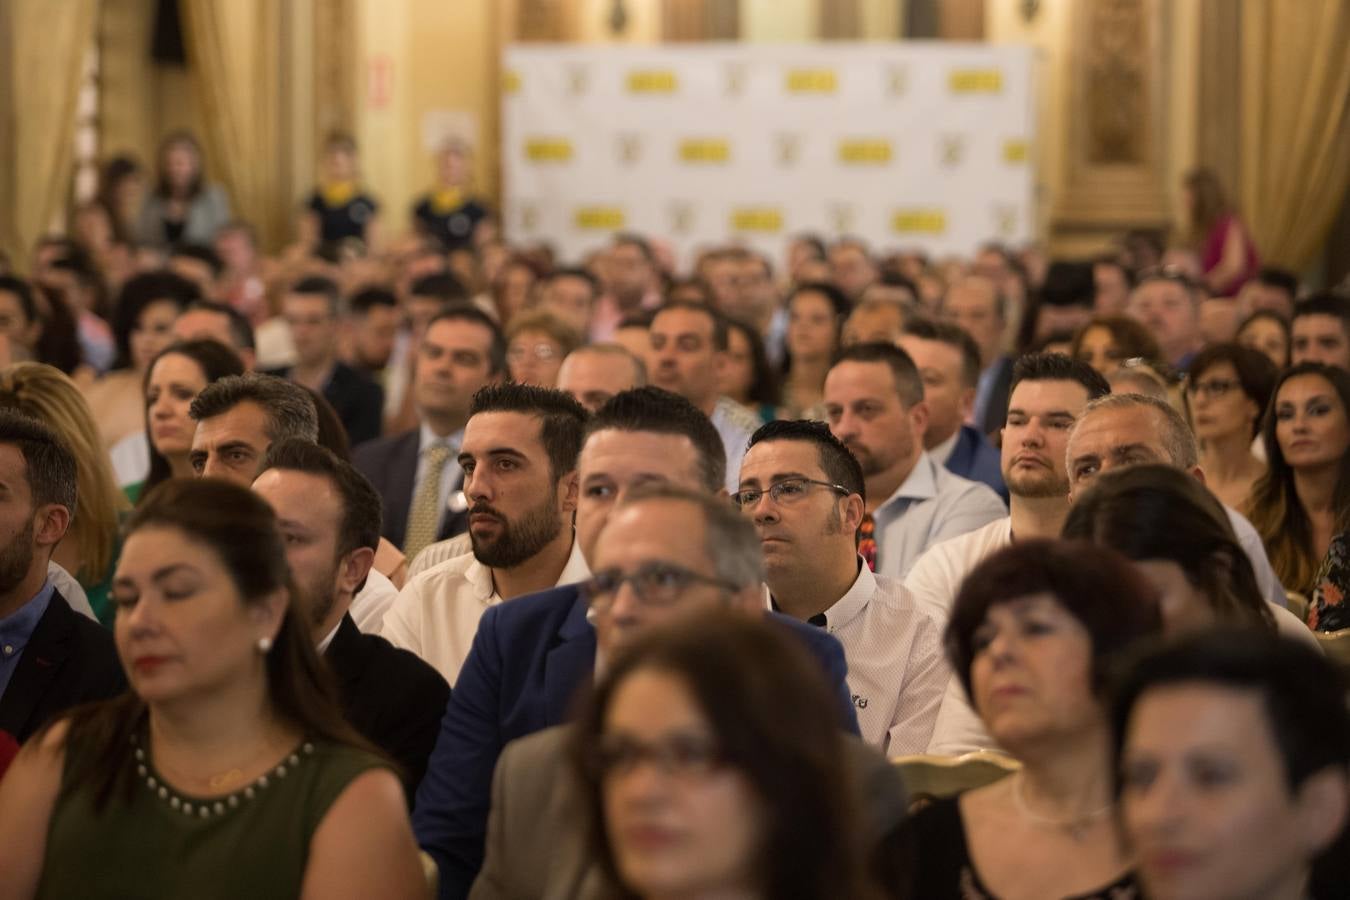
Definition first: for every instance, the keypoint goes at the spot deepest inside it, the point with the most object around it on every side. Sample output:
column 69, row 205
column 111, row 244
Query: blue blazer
column 975, row 458
column 529, row 661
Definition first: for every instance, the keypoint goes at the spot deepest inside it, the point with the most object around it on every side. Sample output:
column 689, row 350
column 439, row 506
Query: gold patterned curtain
column 1295, row 124
column 42, row 51
column 234, row 55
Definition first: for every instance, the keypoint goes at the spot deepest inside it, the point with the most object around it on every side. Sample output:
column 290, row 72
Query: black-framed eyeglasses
column 680, row 755
column 785, row 492
column 654, row 584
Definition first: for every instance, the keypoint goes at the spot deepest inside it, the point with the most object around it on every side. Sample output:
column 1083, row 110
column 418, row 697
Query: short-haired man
column 632, row 283
column 1066, row 299
column 310, row 309
column 1049, row 393
column 852, row 268
column 329, row 516
column 874, row 401
column 531, row 656
column 1321, row 331
column 51, row 657
column 519, row 457
column 804, row 492
column 949, row 364
column 207, row 320
column 1272, row 289
column 570, row 294
column 371, row 326
column 688, row 352
column 875, row 320
column 1169, row 306
column 596, row 372
column 417, row 472
column 1128, row 429
column 976, row 303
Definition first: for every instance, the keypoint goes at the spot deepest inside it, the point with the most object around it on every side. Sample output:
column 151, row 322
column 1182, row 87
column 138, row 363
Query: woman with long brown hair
column 228, row 769
column 1223, row 244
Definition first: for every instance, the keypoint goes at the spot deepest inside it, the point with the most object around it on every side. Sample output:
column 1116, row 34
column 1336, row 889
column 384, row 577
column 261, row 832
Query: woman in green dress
column 227, row 770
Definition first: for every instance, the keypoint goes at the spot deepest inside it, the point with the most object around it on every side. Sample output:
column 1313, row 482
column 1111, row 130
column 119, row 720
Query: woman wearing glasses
column 712, row 767
column 1227, row 391
column 1303, row 500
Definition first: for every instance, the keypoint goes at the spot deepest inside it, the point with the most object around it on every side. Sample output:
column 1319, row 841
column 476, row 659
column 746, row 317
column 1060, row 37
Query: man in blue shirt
column 51, row 658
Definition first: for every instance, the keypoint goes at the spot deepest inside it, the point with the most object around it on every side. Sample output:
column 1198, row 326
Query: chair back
column 1336, row 645
column 1298, row 605
column 930, row 777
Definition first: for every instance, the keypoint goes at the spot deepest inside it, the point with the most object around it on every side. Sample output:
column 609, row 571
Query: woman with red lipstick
column 228, row 769
column 1227, row 392
column 1034, row 632
column 176, row 376
column 712, row 764
column 1233, row 754
column 1303, row 500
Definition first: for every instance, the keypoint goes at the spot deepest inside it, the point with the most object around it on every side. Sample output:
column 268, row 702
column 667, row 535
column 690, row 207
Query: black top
column 943, row 869
column 454, row 229
column 349, row 220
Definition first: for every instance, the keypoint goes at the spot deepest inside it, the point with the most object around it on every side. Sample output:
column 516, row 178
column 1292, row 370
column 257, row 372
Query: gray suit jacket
column 536, row 833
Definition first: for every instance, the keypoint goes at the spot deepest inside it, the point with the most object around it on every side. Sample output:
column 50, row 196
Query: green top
column 253, row 843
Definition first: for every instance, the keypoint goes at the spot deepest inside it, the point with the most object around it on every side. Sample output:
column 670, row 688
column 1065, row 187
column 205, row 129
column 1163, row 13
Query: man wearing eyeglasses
column 804, row 492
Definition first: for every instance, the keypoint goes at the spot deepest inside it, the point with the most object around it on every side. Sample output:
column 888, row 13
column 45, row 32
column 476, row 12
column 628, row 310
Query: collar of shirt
column 17, row 628
column 943, row 451
column 452, row 440
column 920, row 485
column 328, row 638
column 846, row 608
column 479, row 576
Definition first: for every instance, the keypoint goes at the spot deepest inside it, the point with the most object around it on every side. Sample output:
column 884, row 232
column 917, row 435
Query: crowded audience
column 407, row 557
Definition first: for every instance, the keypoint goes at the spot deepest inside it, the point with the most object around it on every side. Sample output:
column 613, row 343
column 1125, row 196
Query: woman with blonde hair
column 89, row 550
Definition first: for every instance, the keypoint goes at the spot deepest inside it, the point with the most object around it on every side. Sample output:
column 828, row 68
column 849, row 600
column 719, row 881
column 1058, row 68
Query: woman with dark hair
column 1105, row 342
column 1227, row 389
column 142, row 325
column 228, row 769
column 178, row 375
column 513, row 288
column 748, row 378
column 1233, row 761
column 1267, row 331
column 183, row 208
column 816, row 314
column 1227, row 255
column 1179, row 537
column 1303, row 500
column 121, row 191
column 752, row 799
column 1034, row 632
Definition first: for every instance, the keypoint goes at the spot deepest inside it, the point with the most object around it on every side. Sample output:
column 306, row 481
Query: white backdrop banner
column 925, row 145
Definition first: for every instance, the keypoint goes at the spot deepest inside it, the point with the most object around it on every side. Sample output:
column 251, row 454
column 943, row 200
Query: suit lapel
column 569, row 666
column 42, row 659
column 402, row 477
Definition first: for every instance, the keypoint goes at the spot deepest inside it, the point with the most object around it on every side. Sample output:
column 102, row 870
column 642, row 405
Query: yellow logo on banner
column 975, row 81
column 652, row 81
column 757, row 218
column 811, row 81
column 510, row 81
column 601, row 218
column 705, row 150
column 919, row 221
column 1014, row 151
column 548, row 150
column 864, row 152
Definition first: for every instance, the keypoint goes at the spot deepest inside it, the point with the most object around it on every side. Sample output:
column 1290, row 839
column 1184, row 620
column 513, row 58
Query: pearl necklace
column 205, row 809
column 1076, row 827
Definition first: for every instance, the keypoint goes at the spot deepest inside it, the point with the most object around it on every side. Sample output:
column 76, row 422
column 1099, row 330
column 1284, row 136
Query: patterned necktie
column 425, row 514
column 867, row 542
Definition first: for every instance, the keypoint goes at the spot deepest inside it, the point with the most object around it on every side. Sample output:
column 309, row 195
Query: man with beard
column 1049, row 393
column 874, row 400
column 804, row 492
column 519, row 458
column 51, row 658
column 329, row 516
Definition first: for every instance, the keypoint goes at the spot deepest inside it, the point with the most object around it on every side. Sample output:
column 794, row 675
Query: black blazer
column 391, row 465
column 391, row 696
column 355, row 397
column 69, row 660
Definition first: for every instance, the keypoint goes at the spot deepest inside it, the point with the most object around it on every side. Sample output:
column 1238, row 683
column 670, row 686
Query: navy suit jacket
column 975, row 458
column 529, row 660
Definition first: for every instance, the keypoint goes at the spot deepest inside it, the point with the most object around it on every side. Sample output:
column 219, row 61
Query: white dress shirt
column 735, row 424
column 931, row 505
column 897, row 670
column 372, row 602
column 436, row 614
